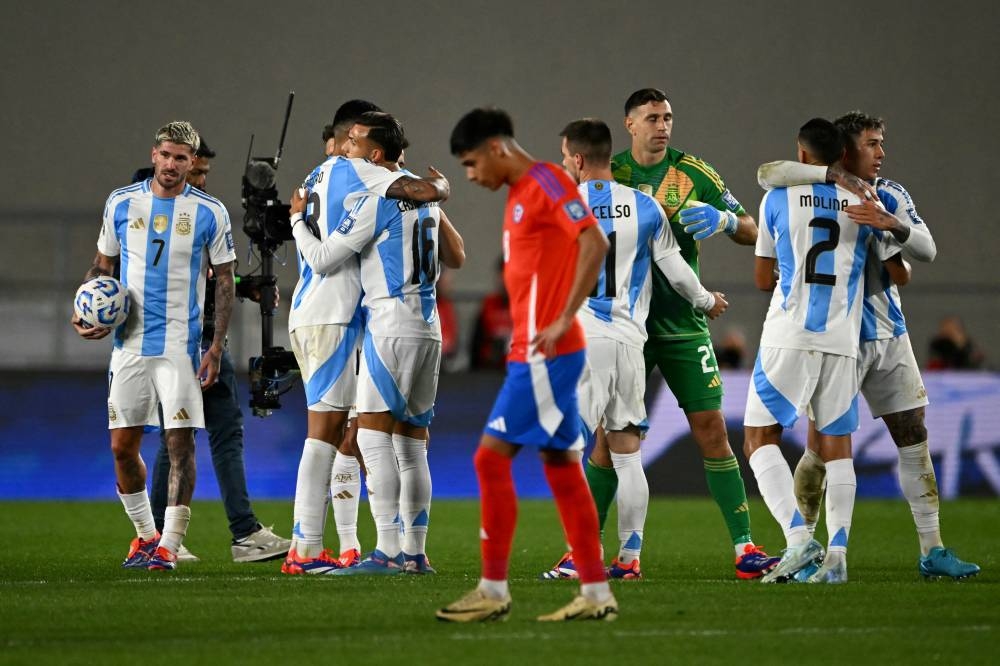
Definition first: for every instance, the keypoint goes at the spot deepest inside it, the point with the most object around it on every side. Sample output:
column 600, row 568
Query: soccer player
column 808, row 348
column 324, row 327
column 553, row 250
column 679, row 343
column 614, row 320
column 165, row 234
column 252, row 542
column 400, row 245
column 887, row 370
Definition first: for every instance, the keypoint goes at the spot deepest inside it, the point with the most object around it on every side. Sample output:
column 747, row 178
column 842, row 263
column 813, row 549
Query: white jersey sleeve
column 920, row 244
column 786, row 173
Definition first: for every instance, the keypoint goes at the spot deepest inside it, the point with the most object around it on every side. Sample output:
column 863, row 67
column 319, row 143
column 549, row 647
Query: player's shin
column 498, row 515
column 774, row 479
column 175, row 525
column 633, row 502
column 311, row 487
column 840, row 493
column 345, row 492
column 139, row 512
column 383, row 487
column 603, row 482
column 810, row 481
column 919, row 485
column 415, row 491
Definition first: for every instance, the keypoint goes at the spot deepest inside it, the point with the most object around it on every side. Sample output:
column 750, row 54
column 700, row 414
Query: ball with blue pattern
column 102, row 302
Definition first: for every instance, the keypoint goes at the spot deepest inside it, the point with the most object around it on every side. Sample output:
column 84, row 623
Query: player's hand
column 208, row 371
column 704, row 220
column 873, row 215
column 839, row 175
column 297, row 201
column 442, row 183
column 721, row 305
column 88, row 332
column 545, row 341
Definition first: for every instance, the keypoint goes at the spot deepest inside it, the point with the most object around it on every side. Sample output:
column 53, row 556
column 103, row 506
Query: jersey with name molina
column 165, row 247
column 883, row 315
column 398, row 245
column 676, row 179
column 820, row 257
column 637, row 231
column 542, row 220
column 335, row 191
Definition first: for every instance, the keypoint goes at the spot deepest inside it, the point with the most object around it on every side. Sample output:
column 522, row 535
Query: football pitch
column 64, row 599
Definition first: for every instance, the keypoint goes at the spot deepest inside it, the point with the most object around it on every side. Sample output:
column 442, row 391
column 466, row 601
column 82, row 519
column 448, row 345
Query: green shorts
column 690, row 370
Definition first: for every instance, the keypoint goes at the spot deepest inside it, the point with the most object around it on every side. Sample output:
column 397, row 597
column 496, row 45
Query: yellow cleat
column 582, row 608
column 475, row 607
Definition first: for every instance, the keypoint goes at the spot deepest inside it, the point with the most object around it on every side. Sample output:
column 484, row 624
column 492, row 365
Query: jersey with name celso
column 542, row 220
column 165, row 247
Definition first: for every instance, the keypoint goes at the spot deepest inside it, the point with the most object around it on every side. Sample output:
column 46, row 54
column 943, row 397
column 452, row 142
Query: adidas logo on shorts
column 182, row 415
column 497, row 424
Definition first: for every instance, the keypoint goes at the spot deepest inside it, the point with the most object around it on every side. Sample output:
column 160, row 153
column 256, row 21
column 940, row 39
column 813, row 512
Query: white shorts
column 889, row 376
column 612, row 386
column 786, row 382
column 327, row 360
column 400, row 376
column 136, row 384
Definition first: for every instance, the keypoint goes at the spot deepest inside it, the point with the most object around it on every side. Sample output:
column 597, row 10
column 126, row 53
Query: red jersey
column 543, row 218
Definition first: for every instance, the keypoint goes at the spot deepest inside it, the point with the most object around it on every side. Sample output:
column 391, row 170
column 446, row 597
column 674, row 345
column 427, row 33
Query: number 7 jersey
column 820, row 254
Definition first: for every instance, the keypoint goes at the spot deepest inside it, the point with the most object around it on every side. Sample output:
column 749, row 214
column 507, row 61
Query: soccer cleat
column 625, row 571
column 582, row 608
column 833, row 571
column 754, row 562
column 376, row 564
column 942, row 562
column 260, row 546
column 324, row 563
column 185, row 555
column 792, row 560
column 139, row 552
column 564, row 569
column 162, row 560
column 417, row 564
column 350, row 557
column 803, row 574
column 475, row 607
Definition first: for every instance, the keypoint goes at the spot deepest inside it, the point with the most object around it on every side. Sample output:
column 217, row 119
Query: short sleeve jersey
column 164, row 247
column 542, row 220
column 635, row 226
column 677, row 179
column 820, row 255
column 336, row 190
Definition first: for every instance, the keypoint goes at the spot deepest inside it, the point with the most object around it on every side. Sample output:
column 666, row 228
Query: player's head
column 586, row 143
column 482, row 143
column 820, row 142
column 174, row 148
column 649, row 119
column 375, row 136
column 865, row 143
column 198, row 175
column 335, row 133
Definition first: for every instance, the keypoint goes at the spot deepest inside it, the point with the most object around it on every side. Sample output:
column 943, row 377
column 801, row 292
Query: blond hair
column 179, row 132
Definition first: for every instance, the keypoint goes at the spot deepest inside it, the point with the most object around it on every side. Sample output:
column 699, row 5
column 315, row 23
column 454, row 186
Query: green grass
column 63, row 597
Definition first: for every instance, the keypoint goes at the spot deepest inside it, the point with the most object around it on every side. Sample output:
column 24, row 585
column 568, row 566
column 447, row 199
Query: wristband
column 732, row 223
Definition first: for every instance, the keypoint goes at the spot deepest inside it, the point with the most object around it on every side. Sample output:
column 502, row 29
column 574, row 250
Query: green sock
column 726, row 486
column 603, row 482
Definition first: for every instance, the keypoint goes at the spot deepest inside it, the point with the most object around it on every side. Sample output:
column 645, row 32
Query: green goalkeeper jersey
column 675, row 180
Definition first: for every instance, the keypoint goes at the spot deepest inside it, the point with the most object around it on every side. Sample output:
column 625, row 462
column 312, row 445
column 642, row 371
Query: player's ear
column 152, row 155
column 628, row 123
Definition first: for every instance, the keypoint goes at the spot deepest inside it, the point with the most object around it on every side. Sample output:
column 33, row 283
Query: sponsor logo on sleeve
column 346, row 226
column 731, row 201
column 230, row 244
column 575, row 209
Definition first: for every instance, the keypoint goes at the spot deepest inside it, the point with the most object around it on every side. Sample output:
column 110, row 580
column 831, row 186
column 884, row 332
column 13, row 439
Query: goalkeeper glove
column 704, row 220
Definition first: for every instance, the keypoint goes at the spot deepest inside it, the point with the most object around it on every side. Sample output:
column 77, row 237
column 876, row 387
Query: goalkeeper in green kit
column 699, row 206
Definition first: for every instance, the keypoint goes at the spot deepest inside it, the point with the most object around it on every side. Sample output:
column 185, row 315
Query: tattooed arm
column 225, row 293
column 103, row 265
column 434, row 188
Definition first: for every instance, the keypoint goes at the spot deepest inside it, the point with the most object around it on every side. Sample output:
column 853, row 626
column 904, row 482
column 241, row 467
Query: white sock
column 311, row 488
column 810, row 480
column 383, row 487
column 494, row 589
column 415, row 492
column 596, row 592
column 774, row 479
column 919, row 485
column 633, row 501
column 140, row 513
column 841, row 487
column 345, row 493
column 175, row 525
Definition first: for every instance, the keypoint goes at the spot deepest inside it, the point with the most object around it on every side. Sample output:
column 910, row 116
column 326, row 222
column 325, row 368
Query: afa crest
column 183, row 224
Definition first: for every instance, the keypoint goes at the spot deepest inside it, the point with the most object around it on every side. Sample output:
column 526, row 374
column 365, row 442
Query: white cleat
column 792, row 560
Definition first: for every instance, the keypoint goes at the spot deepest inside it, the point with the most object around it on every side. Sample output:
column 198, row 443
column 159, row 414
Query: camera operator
column 252, row 542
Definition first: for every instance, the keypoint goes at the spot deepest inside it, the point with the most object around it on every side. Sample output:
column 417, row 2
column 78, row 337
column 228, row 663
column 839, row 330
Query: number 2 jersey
column 542, row 220
column 821, row 254
column 336, row 190
column 164, row 248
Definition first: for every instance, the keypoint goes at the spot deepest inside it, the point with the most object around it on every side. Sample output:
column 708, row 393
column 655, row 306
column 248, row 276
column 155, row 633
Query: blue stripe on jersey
column 818, row 310
column 869, row 323
column 857, row 277
column 651, row 225
column 323, row 379
column 205, row 228
column 387, row 388
column 776, row 212
column 155, row 282
column 781, row 408
column 121, row 230
column 426, row 248
column 846, row 423
column 390, row 250
column 895, row 312
column 550, row 184
column 306, row 274
column 602, row 304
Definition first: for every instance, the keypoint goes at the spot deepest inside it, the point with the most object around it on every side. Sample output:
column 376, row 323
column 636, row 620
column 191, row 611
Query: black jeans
column 224, row 423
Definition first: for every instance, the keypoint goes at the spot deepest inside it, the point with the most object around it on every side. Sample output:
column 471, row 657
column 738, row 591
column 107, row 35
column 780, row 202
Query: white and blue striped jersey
column 165, row 247
column 638, row 233
column 883, row 314
column 820, row 256
column 334, row 189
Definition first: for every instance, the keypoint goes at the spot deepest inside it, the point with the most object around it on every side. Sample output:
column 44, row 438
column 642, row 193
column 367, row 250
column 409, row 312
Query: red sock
column 579, row 518
column 497, row 511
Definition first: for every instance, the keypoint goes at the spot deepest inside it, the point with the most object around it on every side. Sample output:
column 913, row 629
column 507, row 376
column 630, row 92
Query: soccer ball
column 102, row 302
